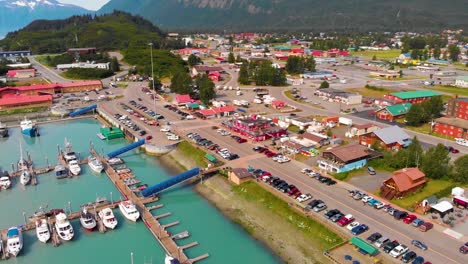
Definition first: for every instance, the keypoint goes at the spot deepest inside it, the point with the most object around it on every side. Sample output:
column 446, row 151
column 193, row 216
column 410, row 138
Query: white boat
column 63, row 227
column 95, row 164
column 108, row 218
column 129, row 210
column 42, row 230
column 69, row 156
column 171, row 260
column 5, row 182
column 25, row 177
column 87, row 220
column 115, row 161
column 74, row 167
column 28, row 128
column 3, row 131
column 14, row 241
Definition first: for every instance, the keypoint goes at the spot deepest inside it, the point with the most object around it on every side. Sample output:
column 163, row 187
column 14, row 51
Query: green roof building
column 413, row 96
column 112, row 132
column 364, row 246
column 399, row 109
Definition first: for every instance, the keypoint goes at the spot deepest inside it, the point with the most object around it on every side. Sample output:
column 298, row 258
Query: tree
column 324, row 84
column 206, row 88
column 460, row 173
column 231, row 58
column 436, row 52
column 433, row 107
column 409, row 157
column 454, row 51
column 416, row 115
column 295, row 65
column 374, row 58
column 114, row 65
column 157, row 84
column 279, row 78
column 243, row 77
column 238, row 58
column 438, row 169
column 310, row 64
column 193, row 60
column 181, row 83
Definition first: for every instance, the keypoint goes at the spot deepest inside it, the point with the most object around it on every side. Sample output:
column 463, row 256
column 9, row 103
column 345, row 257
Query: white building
column 461, row 81
column 84, row 65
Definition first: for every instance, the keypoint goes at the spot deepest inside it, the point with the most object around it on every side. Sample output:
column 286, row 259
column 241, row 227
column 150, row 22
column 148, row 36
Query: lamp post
column 152, row 76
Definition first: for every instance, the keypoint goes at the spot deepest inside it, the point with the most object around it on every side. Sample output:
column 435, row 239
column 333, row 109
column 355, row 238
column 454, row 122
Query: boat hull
column 30, row 132
column 87, row 227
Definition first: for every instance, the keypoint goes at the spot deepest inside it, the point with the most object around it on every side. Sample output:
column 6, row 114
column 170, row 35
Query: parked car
column 379, row 205
column 426, row 227
column 313, row 203
column 417, row 222
column 409, row 219
column 345, row 220
column 373, row 202
column 418, row 260
column 408, row 256
column 336, row 217
column 398, row 251
column 359, row 229
column 398, row 215
column 419, row 244
column 304, row 197
column 371, row 171
column 390, row 246
column 366, row 198
column 374, row 237
column 331, row 213
column 320, row 207
column 464, row 248
column 381, row 242
column 352, row 225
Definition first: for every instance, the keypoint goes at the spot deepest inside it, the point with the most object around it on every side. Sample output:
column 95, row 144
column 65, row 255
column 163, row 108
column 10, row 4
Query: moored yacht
column 87, row 220
column 60, row 171
column 3, row 130
column 63, row 227
column 28, row 128
column 115, row 161
column 129, row 210
column 108, row 218
column 25, row 177
column 95, row 164
column 5, row 182
column 42, row 230
column 14, row 241
column 74, row 167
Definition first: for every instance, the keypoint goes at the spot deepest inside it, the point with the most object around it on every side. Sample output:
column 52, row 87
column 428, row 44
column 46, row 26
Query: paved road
column 47, row 73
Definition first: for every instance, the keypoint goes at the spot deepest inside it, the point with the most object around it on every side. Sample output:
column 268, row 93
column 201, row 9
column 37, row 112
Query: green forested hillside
column 116, row 31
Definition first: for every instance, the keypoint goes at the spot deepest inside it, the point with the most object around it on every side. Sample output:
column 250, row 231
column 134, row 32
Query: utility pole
column 152, row 76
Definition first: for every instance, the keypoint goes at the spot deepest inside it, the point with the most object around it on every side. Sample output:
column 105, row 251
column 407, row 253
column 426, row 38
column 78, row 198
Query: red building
column 278, row 104
column 255, row 128
column 26, row 73
column 183, row 99
column 15, row 101
column 53, row 88
column 414, row 97
column 402, row 183
column 393, row 138
column 455, row 123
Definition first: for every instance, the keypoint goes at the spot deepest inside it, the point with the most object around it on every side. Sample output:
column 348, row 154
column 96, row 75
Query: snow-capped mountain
column 15, row 14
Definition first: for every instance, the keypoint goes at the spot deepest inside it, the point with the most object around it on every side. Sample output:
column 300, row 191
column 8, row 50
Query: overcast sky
column 88, row 4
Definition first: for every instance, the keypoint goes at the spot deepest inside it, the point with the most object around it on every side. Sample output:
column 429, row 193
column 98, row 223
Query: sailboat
column 25, row 177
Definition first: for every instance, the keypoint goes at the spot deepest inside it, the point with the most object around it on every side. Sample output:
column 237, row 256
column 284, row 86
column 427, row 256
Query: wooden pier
column 156, row 228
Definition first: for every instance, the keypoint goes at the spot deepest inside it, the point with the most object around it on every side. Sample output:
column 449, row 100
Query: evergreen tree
column 206, row 88
column 181, row 83
column 416, row 115
column 231, row 58
column 324, row 84
column 238, row 58
column 243, row 77
column 193, row 60
column 279, row 78
column 310, row 64
column 438, row 169
column 295, row 65
column 436, row 52
column 460, row 173
column 454, row 51
column 114, row 65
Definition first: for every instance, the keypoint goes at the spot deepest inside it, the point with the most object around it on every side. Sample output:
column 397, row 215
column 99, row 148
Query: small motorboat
column 61, row 171
column 63, row 227
column 42, row 230
column 74, row 167
column 14, row 241
column 108, row 218
column 3, row 130
column 25, row 177
column 115, row 161
column 87, row 220
column 28, row 128
column 129, row 210
column 171, row 260
column 95, row 164
column 5, row 182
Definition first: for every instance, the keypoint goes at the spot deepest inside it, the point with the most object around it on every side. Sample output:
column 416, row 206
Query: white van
column 239, row 93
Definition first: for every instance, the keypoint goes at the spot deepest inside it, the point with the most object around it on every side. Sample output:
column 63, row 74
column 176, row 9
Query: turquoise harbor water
column 224, row 241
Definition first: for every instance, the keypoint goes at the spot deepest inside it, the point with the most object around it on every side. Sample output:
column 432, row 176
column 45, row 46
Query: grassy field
column 194, row 153
column 24, row 110
column 31, row 82
column 450, row 89
column 369, row 92
column 432, row 187
column 380, row 54
column 293, row 128
column 426, row 129
column 323, row 237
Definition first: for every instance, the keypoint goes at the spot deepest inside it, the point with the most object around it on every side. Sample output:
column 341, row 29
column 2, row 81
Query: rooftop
column 17, row 99
column 398, row 109
column 393, row 134
column 456, row 122
column 415, row 94
column 408, row 178
column 349, row 152
column 241, row 173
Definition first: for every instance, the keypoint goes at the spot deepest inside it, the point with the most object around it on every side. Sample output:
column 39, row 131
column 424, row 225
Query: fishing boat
column 74, row 167
column 60, row 171
column 115, row 161
column 3, row 130
column 69, row 154
column 171, row 260
column 25, row 177
column 108, row 218
column 14, row 241
column 42, row 230
column 5, row 182
column 63, row 227
column 95, row 164
column 129, row 210
column 87, row 220
column 28, row 128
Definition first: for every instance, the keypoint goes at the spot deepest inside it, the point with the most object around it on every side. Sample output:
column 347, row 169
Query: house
column 414, row 97
column 318, row 139
column 344, row 158
column 358, row 130
column 393, row 112
column 26, row 73
column 183, row 99
column 317, row 75
column 292, row 147
column 221, row 111
column 255, row 128
column 339, row 96
column 455, row 123
column 438, row 62
column 392, row 137
column 461, row 81
column 202, row 69
column 239, row 175
column 214, row 76
column 386, row 74
column 84, row 65
column 402, row 183
column 294, row 81
column 302, row 122
column 278, row 104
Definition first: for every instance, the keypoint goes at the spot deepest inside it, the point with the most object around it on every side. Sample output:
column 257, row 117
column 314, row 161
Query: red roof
column 297, row 50
column 214, row 73
column 207, row 112
column 17, row 99
column 278, row 103
column 183, row 98
column 217, row 110
column 12, row 73
column 317, row 53
column 407, row 178
column 52, row 86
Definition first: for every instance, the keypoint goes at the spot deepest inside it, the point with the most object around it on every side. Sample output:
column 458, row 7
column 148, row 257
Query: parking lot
column 367, row 182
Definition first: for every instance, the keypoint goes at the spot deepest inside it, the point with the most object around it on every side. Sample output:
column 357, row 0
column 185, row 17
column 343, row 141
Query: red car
column 270, row 154
column 241, row 140
column 345, row 220
column 149, row 137
column 293, row 191
column 409, row 219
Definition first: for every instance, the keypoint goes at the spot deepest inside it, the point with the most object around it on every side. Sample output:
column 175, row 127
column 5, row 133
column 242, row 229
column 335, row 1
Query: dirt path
column 276, row 232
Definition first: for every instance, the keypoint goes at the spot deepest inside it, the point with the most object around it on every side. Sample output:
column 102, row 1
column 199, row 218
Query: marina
column 158, row 222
